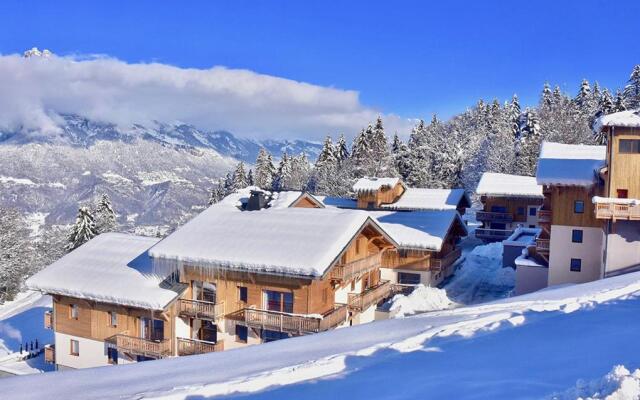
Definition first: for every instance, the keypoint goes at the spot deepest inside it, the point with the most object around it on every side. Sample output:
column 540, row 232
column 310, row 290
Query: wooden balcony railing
column 494, row 216
column 50, row 353
column 48, row 319
column 362, row 301
column 440, row 264
column 140, row 346
column 493, row 234
column 293, row 323
column 355, row 268
column 545, row 216
column 188, row 347
column 542, row 246
column 200, row 309
column 617, row 211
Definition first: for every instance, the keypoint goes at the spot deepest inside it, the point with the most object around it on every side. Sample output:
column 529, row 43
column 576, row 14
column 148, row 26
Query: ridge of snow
column 627, row 119
column 372, row 184
column 569, row 164
column 421, row 299
column 619, row 384
column 494, row 184
column 615, row 200
column 427, row 199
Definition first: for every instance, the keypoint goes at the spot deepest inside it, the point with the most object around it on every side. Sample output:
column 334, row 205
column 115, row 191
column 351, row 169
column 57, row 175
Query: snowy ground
column 22, row 321
column 548, row 343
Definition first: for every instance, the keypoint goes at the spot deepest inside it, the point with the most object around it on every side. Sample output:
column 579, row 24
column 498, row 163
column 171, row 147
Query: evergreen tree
column 105, row 217
column 250, row 180
column 83, row 230
column 265, row 170
column 619, row 103
column 228, row 185
column 327, row 154
column 631, row 91
column 15, row 252
column 240, row 177
column 514, row 116
column 584, row 99
column 216, row 193
column 360, row 153
column 529, row 144
column 342, row 152
column 401, row 157
column 546, row 100
column 282, row 178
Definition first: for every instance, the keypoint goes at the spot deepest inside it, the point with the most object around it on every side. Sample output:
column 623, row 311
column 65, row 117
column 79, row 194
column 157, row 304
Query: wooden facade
column 516, row 208
column 623, row 169
column 374, row 199
column 562, row 201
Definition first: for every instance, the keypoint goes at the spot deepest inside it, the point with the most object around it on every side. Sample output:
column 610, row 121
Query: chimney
column 257, row 201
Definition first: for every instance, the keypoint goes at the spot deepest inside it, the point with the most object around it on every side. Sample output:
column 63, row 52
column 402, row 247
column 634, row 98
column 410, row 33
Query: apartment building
column 508, row 202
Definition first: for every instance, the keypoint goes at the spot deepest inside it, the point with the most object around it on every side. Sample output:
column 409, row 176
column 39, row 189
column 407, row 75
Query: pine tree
column 83, row 230
column 380, row 160
column 250, row 180
column 514, row 116
column 282, row 178
column 619, row 103
column 327, row 154
column 240, row 177
column 584, row 98
column 631, row 91
column 342, row 152
column 529, row 144
column 228, row 185
column 360, row 154
column 15, row 250
column 216, row 193
column 265, row 170
column 401, row 158
column 546, row 100
column 105, row 217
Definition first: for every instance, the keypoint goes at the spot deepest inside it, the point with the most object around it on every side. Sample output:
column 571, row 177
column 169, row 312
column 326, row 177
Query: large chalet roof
column 112, row 268
column 504, row 185
column 627, row 119
column 425, row 230
column 569, row 164
column 429, row 199
column 293, row 241
column 374, row 184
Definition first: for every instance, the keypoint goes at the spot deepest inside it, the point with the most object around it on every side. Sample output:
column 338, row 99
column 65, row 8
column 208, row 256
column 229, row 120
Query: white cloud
column 244, row 102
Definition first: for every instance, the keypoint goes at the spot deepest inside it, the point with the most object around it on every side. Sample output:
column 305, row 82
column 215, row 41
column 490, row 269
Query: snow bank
column 493, row 184
column 429, row 199
column 374, row 184
column 619, row 384
column 422, row 299
column 615, row 200
column 569, row 164
column 628, row 119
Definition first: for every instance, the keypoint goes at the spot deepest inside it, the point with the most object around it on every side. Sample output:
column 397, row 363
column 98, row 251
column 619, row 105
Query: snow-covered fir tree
column 250, row 180
column 381, row 164
column 514, row 116
column 631, row 93
column 216, row 193
column 327, row 154
column 342, row 151
column 529, row 144
column 83, row 230
column 15, row 252
column 105, row 217
column 240, row 177
column 228, row 184
column 361, row 154
column 401, row 157
column 265, row 170
column 282, row 177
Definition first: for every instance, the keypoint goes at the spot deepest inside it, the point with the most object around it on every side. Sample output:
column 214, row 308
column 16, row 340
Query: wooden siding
column 623, row 169
column 562, row 206
column 382, row 196
column 305, row 202
column 511, row 205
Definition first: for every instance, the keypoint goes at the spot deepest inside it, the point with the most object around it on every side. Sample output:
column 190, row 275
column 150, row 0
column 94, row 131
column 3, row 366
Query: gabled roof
column 303, row 242
column 430, row 199
column 365, row 185
column 422, row 230
column 504, row 185
column 569, row 164
column 627, row 119
column 112, row 268
column 288, row 199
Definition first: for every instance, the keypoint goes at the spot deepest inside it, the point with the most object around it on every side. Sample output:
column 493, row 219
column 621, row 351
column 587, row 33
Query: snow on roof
column 240, row 197
column 284, row 199
column 337, row 202
column 569, row 164
column 291, row 241
column 615, row 200
column 627, row 119
column 429, row 199
column 418, row 229
column 374, row 184
column 111, row 268
column 494, row 184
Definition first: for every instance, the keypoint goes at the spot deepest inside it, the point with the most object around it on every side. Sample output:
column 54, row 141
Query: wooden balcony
column 50, row 354
column 293, row 323
column 48, row 320
column 542, row 246
column 490, row 216
column 140, row 346
column 345, row 272
column 617, row 211
column 189, row 347
column 440, row 264
column 545, row 217
column 362, row 301
column 200, row 309
column 493, row 234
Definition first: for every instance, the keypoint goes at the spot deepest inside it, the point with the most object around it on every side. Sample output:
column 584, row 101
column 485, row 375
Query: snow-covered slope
column 531, row 346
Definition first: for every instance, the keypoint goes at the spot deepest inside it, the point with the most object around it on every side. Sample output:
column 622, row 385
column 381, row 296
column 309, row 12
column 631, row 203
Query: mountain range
column 157, row 175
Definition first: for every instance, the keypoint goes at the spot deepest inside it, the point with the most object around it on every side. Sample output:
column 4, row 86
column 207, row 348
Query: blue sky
column 410, row 58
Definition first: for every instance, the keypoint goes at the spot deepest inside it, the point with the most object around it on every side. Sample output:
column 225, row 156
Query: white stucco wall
column 562, row 250
column 92, row 353
column 530, row 278
column 391, row 275
column 365, row 316
column 623, row 247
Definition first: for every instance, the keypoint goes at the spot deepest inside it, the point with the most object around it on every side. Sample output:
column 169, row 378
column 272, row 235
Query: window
column 279, row 301
column 576, row 264
column 576, row 236
column 112, row 355
column 533, row 211
column 520, row 210
column 243, row 293
column 208, row 332
column 242, row 333
column 623, row 193
column 406, row 278
column 73, row 311
column 629, row 146
column 74, row 347
column 578, row 206
column 113, row 318
column 152, row 329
